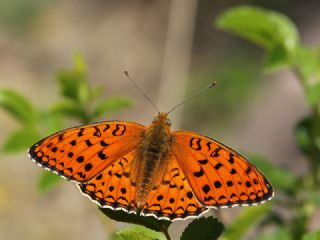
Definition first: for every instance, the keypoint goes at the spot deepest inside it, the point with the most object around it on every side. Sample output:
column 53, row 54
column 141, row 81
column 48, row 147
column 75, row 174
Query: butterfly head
column 162, row 119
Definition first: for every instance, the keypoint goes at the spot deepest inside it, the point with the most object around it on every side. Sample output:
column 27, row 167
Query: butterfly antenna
column 136, row 86
column 194, row 96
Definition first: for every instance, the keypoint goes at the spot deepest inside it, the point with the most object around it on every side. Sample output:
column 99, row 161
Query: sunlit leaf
column 18, row 106
column 307, row 65
column 263, row 27
column 203, row 229
column 308, row 61
column 131, row 235
column 47, row 181
column 276, row 59
column 73, row 83
column 247, row 218
column 20, row 140
column 79, row 63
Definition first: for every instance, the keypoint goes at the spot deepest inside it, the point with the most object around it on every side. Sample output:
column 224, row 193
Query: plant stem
column 166, row 233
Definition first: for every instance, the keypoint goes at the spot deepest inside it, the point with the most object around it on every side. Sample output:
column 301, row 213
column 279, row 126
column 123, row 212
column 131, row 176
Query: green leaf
column 131, row 235
column 111, row 104
column 263, row 27
column 73, row 83
column 245, row 220
column 47, row 181
column 144, row 231
column 276, row 59
column 279, row 234
column 18, row 106
column 203, row 229
column 149, row 222
column 307, row 64
column 20, row 140
column 312, row 236
column 308, row 61
column 307, row 135
column 280, row 178
column 302, row 134
column 79, row 63
column 271, row 30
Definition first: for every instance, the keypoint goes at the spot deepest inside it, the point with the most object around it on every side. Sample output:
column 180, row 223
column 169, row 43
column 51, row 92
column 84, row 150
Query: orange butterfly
column 151, row 170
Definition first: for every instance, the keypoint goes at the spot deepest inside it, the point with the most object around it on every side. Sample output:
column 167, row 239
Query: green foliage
column 19, row 107
column 280, row 178
column 244, row 221
column 137, row 233
column 237, row 83
column 78, row 101
column 278, row 36
column 279, row 234
column 271, row 30
column 47, row 180
column 312, row 236
column 20, row 140
column 203, row 229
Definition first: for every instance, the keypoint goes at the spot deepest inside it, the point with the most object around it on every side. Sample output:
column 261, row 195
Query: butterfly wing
column 80, row 153
column 218, row 175
column 173, row 199
column 112, row 187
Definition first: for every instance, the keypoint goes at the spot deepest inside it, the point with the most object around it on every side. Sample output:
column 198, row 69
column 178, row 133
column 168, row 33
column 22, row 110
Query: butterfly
column 150, row 170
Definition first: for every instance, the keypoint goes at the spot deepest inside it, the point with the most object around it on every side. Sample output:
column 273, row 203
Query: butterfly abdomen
column 153, row 153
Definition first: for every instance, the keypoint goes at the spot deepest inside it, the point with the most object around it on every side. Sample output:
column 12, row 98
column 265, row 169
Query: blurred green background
column 171, row 49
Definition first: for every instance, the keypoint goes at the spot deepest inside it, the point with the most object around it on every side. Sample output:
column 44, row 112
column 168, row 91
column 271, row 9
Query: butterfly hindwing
column 112, row 188
column 173, row 199
column 80, row 153
column 219, row 176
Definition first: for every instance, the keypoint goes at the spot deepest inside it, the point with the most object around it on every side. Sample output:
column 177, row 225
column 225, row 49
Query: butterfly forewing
column 219, row 176
column 80, row 153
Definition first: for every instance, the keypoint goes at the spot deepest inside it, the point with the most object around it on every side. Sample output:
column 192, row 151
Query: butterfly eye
column 168, row 122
